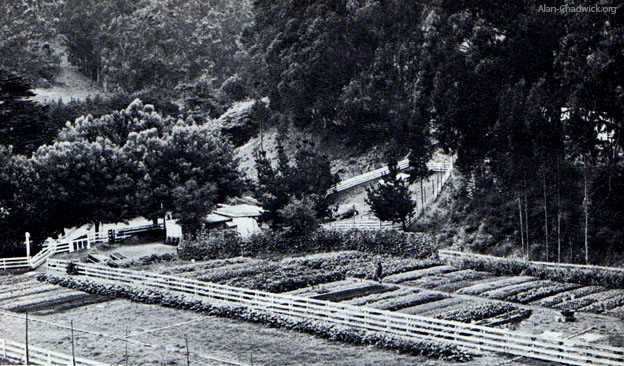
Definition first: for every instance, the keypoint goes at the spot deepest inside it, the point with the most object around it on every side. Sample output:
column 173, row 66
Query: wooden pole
column 27, row 245
column 126, row 341
column 188, row 356
column 71, row 324
column 26, row 348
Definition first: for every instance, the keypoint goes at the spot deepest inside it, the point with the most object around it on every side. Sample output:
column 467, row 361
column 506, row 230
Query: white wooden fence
column 370, row 224
column 475, row 337
column 67, row 246
column 14, row 263
column 451, row 254
column 378, row 173
column 15, row 351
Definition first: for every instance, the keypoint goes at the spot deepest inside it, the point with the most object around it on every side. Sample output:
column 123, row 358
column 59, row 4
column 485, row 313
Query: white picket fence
column 15, row 351
column 451, row 254
column 470, row 336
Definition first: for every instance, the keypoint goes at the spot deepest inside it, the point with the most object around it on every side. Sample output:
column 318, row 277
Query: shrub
column 514, row 267
column 382, row 242
column 211, row 245
column 71, row 269
column 142, row 261
column 326, row 330
column 476, row 312
column 407, row 301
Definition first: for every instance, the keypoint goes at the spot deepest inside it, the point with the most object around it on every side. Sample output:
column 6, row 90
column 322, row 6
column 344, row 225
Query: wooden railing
column 67, row 246
column 370, row 224
column 16, row 263
column 451, row 254
column 378, row 173
column 127, row 232
column 475, row 337
column 14, row 351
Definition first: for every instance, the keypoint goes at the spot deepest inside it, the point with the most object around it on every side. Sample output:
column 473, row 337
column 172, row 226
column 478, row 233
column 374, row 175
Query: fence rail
column 67, row 246
column 450, row 254
column 16, row 351
column 378, row 173
column 381, row 225
column 471, row 336
column 14, row 263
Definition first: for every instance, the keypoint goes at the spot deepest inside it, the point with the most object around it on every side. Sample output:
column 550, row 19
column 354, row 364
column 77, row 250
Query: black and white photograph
column 312, row 182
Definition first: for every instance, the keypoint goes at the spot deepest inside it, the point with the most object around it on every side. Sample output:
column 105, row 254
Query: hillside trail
column 69, row 85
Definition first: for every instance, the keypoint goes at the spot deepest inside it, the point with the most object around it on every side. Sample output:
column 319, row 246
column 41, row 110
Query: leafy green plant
column 211, row 245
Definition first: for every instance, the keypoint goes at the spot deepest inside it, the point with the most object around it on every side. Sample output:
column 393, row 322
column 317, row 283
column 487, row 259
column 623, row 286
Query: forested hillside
column 531, row 102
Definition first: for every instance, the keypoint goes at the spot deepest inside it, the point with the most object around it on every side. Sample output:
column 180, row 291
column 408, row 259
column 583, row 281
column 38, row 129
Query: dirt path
column 70, row 85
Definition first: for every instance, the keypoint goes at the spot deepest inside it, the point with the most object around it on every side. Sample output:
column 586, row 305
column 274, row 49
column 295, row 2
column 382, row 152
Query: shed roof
column 242, row 210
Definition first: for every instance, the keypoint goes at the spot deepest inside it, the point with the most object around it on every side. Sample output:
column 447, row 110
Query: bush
column 389, row 242
column 71, row 269
column 211, row 245
column 514, row 267
column 325, row 330
column 476, row 312
column 142, row 261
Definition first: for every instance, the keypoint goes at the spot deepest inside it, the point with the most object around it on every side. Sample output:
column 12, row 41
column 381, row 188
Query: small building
column 241, row 217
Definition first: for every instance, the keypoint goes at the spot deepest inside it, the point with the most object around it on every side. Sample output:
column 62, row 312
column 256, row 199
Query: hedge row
column 212, row 245
column 142, row 261
column 325, row 330
column 512, row 267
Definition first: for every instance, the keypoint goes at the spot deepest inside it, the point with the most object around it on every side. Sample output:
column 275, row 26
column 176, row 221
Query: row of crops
column 518, row 289
column 423, row 287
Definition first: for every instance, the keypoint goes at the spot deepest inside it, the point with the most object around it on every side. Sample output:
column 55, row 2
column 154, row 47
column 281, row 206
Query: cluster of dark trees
column 131, row 162
column 293, row 192
column 531, row 102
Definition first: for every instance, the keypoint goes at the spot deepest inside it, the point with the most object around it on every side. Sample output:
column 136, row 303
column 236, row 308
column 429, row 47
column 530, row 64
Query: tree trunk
column 521, row 225
column 546, row 217
column 422, row 196
column 526, row 223
column 558, row 212
column 586, row 209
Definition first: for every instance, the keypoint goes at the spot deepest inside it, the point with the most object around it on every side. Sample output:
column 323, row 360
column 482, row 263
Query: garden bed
column 359, row 290
column 293, row 273
column 476, row 312
column 586, row 301
column 416, row 274
column 480, row 288
column 537, row 293
column 504, row 293
column 435, row 306
column 406, row 301
column 240, row 312
column 568, row 295
column 364, row 300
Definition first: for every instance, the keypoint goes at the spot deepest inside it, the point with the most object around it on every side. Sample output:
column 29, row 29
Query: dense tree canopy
column 23, row 124
column 27, row 35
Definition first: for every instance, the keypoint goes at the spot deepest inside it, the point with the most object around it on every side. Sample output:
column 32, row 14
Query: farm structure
column 79, row 239
column 476, row 337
